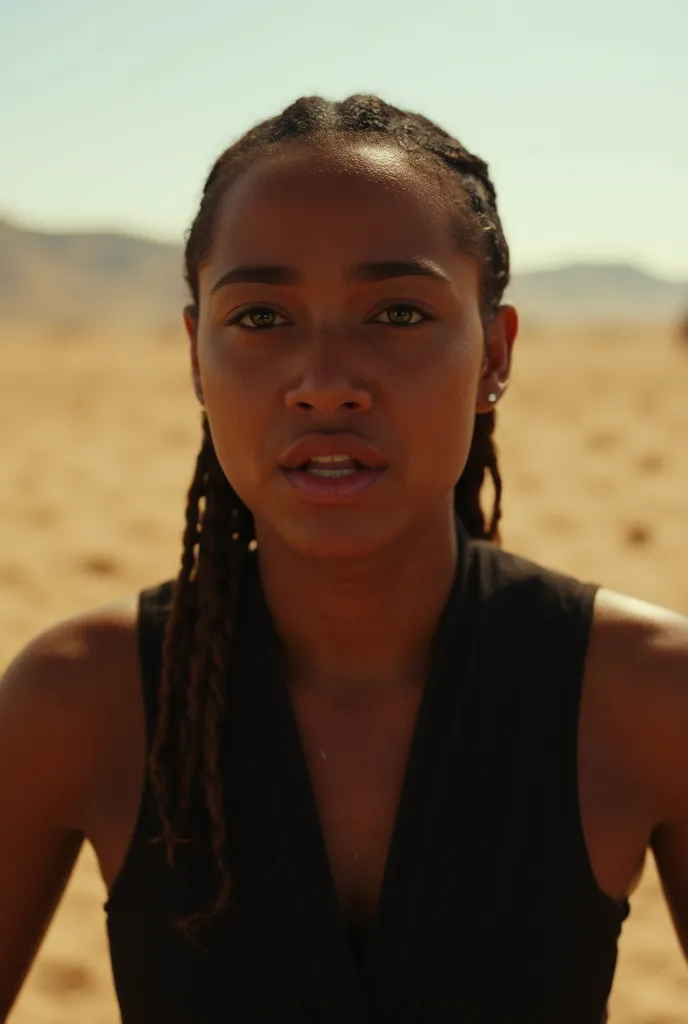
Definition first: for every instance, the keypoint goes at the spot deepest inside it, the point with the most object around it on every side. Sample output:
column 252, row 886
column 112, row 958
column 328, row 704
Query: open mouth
column 332, row 468
column 332, row 481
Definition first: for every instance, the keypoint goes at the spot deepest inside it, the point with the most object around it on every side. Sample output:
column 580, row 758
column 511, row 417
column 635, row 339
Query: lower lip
column 328, row 490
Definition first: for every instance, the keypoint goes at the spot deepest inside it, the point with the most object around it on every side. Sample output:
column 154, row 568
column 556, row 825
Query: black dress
column 489, row 912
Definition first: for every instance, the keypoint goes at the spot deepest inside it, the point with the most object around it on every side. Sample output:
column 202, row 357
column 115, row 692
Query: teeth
column 317, row 461
column 331, row 458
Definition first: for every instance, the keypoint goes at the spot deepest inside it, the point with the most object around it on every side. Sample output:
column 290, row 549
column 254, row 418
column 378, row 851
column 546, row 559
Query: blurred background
column 110, row 120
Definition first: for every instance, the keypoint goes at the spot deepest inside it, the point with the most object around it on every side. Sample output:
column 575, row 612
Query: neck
column 360, row 624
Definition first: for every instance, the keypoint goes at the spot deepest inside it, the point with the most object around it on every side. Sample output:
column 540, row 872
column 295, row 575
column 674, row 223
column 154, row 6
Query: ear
column 499, row 342
column 191, row 325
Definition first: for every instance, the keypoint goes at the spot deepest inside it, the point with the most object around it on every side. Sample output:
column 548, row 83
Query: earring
column 492, row 397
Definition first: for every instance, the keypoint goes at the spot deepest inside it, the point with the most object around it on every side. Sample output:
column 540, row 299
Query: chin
column 334, row 534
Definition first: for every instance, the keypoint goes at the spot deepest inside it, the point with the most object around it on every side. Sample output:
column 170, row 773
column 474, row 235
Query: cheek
column 237, row 417
column 440, row 419
column 229, row 387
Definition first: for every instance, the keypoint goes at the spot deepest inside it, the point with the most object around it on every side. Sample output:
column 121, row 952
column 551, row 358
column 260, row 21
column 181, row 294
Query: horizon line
column 544, row 265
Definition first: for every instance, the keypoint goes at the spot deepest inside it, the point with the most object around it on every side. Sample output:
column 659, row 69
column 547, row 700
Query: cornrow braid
column 185, row 755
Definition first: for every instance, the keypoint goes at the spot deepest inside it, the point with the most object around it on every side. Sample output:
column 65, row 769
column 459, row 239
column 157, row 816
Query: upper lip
column 298, row 453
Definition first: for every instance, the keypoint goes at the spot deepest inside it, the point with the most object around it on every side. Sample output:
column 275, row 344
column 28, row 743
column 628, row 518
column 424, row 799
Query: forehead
column 340, row 196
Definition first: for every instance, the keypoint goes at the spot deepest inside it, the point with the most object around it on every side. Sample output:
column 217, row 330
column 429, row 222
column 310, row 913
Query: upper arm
column 670, row 835
column 48, row 735
column 647, row 662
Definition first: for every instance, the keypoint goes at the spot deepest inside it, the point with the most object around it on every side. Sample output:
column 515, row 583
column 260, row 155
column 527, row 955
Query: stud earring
column 492, row 397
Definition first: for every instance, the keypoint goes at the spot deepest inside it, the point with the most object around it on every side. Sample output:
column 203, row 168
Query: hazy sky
column 111, row 114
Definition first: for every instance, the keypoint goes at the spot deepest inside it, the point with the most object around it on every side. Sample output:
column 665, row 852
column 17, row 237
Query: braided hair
column 185, row 753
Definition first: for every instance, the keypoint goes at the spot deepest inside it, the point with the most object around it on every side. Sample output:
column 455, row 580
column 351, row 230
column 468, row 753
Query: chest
column 486, row 879
column 356, row 752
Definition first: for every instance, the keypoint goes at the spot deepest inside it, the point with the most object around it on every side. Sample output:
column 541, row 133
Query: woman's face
column 334, row 302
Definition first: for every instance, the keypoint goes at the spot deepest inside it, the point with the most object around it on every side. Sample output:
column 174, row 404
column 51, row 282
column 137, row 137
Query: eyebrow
column 362, row 273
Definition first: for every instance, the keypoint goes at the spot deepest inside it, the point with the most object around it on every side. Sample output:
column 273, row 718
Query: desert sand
column 99, row 437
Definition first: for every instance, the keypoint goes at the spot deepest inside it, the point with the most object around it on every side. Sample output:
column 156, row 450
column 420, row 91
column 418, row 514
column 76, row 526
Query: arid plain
column 99, row 435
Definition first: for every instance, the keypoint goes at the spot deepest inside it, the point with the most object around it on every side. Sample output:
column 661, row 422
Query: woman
column 356, row 763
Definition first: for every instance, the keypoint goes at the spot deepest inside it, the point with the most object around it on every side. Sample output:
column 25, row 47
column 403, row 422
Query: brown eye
column 261, row 317
column 402, row 316
column 255, row 319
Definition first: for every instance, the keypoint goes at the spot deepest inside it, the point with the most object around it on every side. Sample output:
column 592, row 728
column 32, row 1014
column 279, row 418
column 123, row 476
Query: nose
column 326, row 385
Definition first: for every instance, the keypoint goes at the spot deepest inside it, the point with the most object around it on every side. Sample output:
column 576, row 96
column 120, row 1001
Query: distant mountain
column 88, row 278
column 112, row 279
column 598, row 292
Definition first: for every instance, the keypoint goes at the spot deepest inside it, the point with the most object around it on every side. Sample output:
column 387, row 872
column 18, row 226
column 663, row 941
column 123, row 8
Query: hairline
column 425, row 161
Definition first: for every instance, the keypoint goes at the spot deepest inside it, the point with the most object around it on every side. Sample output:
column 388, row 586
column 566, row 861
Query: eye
column 401, row 315
column 260, row 318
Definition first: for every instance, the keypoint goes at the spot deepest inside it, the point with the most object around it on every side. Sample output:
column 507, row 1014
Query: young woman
column 356, row 763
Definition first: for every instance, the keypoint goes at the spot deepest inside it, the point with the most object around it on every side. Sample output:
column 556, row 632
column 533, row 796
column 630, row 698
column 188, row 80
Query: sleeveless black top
column 489, row 911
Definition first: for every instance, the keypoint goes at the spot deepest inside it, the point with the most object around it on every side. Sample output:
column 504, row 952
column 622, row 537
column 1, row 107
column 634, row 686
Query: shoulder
column 637, row 699
column 637, row 685
column 641, row 648
column 651, row 628
column 64, row 701
column 527, row 590
column 72, row 660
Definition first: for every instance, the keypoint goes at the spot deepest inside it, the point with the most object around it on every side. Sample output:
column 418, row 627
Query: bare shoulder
column 643, row 646
column 635, row 708
column 637, row 691
column 64, row 701
column 69, row 709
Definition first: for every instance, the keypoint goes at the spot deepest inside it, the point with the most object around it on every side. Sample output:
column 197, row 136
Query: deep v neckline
column 297, row 831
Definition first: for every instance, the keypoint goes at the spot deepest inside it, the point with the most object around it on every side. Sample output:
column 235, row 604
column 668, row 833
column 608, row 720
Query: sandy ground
column 99, row 435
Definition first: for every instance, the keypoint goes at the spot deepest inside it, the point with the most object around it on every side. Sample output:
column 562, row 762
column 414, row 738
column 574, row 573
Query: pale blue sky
column 112, row 114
